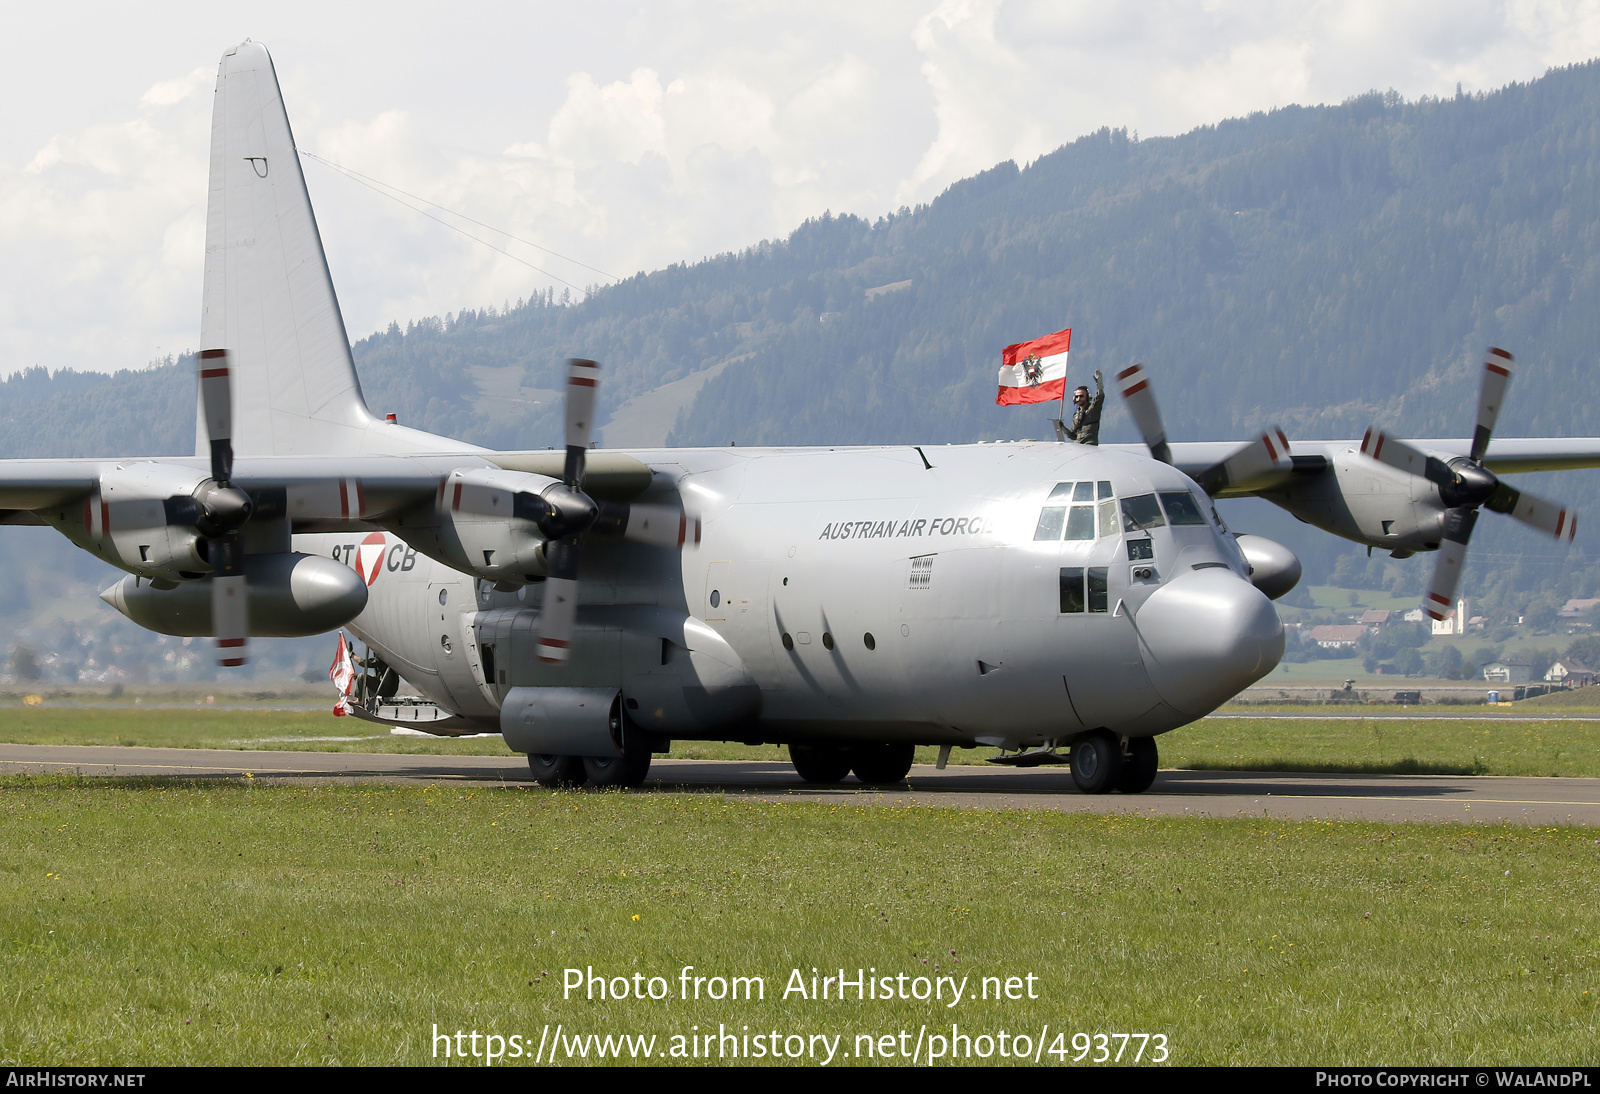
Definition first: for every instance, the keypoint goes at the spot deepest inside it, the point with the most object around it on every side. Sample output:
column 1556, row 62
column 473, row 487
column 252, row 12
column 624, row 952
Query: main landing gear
column 1102, row 763
column 875, row 765
column 627, row 770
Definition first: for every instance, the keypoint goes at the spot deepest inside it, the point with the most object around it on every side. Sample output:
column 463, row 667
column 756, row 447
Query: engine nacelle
column 487, row 522
column 1363, row 500
column 290, row 595
column 1274, row 569
column 141, row 519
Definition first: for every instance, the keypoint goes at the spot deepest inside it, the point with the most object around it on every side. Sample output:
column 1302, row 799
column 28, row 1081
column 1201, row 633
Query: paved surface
column 1388, row 798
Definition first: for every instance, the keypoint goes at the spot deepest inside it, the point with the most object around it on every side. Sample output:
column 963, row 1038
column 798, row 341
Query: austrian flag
column 343, row 674
column 1036, row 371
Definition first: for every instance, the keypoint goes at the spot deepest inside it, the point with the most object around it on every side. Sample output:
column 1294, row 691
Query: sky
column 621, row 135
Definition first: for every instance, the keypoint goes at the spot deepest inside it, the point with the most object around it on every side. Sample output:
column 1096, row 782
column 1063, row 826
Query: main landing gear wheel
column 628, row 769
column 554, row 771
column 1139, row 765
column 821, row 764
column 882, row 765
column 1097, row 762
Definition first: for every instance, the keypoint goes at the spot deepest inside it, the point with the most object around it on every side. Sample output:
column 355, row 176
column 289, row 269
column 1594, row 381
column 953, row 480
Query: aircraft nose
column 1208, row 635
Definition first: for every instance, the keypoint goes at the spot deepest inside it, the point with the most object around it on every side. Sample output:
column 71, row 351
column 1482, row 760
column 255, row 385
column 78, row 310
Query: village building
column 1375, row 617
column 1337, row 635
column 1508, row 670
column 1457, row 619
column 1570, row 673
column 1575, row 610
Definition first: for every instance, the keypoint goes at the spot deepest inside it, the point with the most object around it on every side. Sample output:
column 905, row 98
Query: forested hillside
column 1319, row 267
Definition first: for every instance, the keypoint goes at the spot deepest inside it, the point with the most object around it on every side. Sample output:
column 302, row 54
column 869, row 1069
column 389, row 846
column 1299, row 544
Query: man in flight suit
column 1085, row 427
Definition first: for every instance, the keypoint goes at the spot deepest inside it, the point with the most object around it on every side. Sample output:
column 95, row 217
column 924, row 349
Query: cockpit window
column 1080, row 521
column 1141, row 512
column 1050, row 521
column 1181, row 508
column 1108, row 517
column 1083, row 492
column 1063, row 491
column 1105, row 489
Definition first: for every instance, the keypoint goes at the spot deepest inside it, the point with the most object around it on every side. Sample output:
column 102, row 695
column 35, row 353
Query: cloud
column 632, row 135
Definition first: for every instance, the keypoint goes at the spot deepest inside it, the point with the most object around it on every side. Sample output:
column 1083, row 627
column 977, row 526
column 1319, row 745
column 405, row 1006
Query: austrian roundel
column 369, row 557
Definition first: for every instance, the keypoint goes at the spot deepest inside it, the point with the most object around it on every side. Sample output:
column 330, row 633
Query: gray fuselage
column 858, row 594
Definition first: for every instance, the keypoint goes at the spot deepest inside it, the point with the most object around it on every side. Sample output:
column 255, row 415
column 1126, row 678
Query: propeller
column 564, row 513
column 1465, row 485
column 573, row 513
column 1257, row 464
column 220, row 510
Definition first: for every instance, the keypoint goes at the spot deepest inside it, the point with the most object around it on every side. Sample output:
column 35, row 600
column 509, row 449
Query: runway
column 1382, row 798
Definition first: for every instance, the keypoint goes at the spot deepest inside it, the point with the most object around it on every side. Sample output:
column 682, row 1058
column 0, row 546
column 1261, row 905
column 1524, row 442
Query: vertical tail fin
column 269, row 300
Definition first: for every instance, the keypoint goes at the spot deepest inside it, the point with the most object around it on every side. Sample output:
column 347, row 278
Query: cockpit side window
column 1108, row 517
column 1141, row 512
column 1181, row 508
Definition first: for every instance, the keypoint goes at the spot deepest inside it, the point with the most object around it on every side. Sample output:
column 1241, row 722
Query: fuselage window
column 1141, row 512
column 1098, row 591
column 1063, row 491
column 1071, row 590
column 1181, row 508
column 1140, row 549
column 1050, row 521
column 1084, row 491
column 1080, row 521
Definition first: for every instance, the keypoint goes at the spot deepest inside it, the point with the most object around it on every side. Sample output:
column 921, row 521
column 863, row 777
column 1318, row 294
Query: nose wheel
column 1100, row 766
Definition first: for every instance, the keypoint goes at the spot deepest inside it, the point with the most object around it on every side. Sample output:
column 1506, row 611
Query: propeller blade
column 1556, row 521
column 657, row 525
column 1441, row 595
column 1257, row 464
column 230, row 610
column 560, row 612
column 1134, row 385
column 1401, row 456
column 1496, row 375
column 216, row 397
column 583, row 377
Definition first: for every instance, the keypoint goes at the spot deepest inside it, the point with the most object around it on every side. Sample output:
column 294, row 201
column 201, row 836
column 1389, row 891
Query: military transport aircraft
column 594, row 605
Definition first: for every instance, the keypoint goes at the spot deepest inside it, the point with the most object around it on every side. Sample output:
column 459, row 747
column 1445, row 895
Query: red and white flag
column 343, row 674
column 1036, row 371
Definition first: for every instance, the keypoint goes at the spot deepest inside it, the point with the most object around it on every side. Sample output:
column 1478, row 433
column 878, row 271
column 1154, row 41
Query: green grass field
column 1480, row 745
column 158, row 922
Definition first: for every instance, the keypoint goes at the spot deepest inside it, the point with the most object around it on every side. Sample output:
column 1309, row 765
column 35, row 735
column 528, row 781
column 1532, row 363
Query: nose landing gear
column 1100, row 764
